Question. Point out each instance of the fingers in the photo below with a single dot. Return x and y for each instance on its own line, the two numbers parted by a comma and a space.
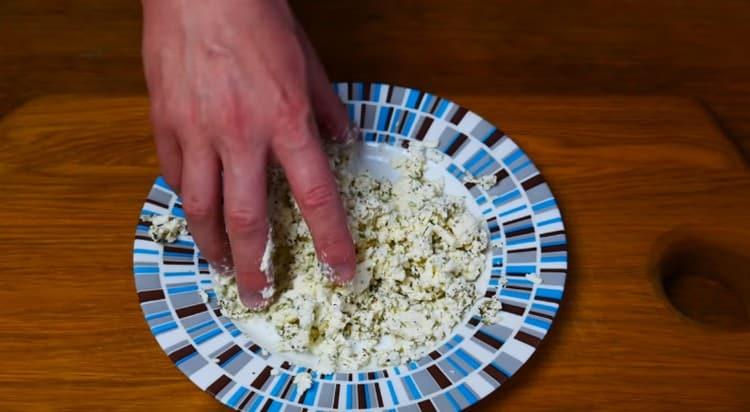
170, 157
246, 219
201, 185
330, 113
313, 185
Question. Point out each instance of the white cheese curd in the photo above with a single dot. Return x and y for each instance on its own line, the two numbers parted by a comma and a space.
165, 229
489, 310
485, 182
303, 380
419, 254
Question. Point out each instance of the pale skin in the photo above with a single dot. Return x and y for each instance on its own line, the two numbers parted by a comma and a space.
235, 85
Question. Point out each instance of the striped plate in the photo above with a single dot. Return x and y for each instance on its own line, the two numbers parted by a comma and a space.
527, 234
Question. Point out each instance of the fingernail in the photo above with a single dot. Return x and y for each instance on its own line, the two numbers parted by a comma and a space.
342, 273
351, 133
257, 301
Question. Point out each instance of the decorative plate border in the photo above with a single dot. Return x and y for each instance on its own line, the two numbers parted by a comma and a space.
526, 230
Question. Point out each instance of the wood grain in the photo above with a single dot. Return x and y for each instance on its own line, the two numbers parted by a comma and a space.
473, 47
634, 177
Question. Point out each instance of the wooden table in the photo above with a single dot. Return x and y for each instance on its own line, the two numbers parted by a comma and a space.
654, 197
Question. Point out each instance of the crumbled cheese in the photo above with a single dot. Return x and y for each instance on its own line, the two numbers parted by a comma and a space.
274, 372
485, 182
268, 292
489, 310
533, 278
204, 296
266, 262
165, 229
419, 254
303, 380
264, 353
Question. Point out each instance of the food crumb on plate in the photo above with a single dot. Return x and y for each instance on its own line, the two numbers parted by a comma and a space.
303, 380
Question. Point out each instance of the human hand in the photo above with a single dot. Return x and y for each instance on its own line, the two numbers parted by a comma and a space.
233, 85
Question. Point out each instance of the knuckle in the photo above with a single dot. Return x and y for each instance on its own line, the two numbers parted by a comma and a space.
246, 222
197, 209
293, 111
318, 197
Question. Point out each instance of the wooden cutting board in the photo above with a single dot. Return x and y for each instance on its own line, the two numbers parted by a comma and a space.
654, 197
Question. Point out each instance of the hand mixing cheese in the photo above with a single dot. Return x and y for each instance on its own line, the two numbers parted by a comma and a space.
419, 253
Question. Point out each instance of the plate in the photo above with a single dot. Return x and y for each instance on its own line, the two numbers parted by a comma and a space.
526, 269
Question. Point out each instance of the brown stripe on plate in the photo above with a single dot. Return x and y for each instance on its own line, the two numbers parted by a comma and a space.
543, 315
496, 373
388, 118
459, 115
389, 94
178, 262
378, 395
218, 385
262, 378
555, 248
439, 376
366, 91
556, 232
287, 387
245, 401
528, 249
473, 321
510, 222
427, 406
494, 137
534, 181
405, 144
469, 185
336, 390
217, 312
526, 338
456, 144
488, 339
418, 103
385, 373
362, 112
144, 237
149, 295
254, 348
181, 353
546, 299
490, 293
553, 270
286, 365
361, 397
500, 175
520, 232
350, 91
267, 405
191, 310
516, 310
519, 287
181, 250
426, 123
229, 353
154, 202
371, 376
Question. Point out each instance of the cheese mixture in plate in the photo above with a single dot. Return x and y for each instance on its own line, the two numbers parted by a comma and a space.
419, 254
